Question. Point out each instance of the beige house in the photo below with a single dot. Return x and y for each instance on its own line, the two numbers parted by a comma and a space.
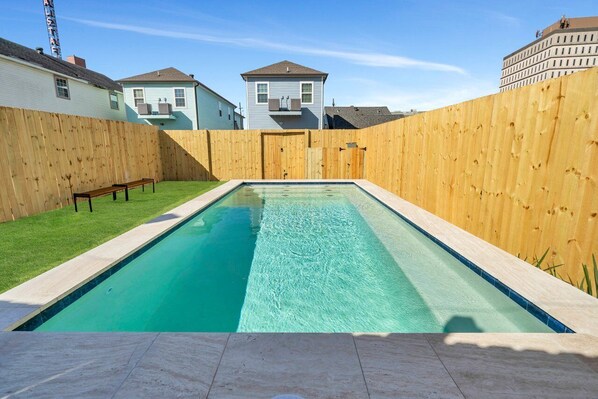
567, 46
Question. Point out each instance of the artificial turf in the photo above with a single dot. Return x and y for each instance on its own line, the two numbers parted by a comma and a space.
32, 245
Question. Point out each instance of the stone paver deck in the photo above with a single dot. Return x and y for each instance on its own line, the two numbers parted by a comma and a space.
196, 365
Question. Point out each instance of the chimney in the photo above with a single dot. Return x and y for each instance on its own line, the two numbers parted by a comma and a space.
40, 50
73, 59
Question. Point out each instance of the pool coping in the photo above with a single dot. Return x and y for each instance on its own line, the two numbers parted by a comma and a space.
563, 302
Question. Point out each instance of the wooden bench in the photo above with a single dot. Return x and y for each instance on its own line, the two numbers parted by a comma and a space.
96, 193
137, 183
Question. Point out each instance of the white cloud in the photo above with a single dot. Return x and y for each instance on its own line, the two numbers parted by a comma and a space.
361, 58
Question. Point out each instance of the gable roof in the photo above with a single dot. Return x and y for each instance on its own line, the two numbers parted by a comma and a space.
170, 75
22, 53
357, 117
284, 68
161, 75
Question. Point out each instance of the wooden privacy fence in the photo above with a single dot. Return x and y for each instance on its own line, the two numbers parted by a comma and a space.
261, 154
45, 157
518, 169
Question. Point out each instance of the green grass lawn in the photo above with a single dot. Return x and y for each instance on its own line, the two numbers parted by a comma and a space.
32, 245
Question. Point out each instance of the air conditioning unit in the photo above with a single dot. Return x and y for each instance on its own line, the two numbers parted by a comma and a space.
165, 109
144, 109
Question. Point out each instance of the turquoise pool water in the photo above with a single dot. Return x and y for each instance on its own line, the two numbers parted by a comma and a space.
300, 258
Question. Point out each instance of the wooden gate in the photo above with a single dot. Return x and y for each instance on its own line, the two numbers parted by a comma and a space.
283, 155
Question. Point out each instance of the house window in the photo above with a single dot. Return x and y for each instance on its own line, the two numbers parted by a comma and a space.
138, 96
261, 93
229, 113
179, 98
219, 108
62, 88
113, 100
307, 93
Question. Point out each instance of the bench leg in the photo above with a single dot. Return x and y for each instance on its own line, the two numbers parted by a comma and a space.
143, 188
114, 196
153, 186
90, 209
126, 193
75, 201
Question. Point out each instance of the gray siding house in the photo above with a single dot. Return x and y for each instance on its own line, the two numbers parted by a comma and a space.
285, 96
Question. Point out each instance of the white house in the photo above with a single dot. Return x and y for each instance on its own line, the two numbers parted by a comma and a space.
34, 80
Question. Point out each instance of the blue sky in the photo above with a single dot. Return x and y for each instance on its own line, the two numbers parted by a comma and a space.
404, 53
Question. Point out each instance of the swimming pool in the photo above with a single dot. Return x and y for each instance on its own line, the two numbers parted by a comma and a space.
291, 258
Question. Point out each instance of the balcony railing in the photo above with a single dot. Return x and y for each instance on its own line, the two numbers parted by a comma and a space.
164, 111
290, 108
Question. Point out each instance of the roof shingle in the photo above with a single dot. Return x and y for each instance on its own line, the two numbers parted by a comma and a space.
161, 75
16, 51
284, 68
357, 117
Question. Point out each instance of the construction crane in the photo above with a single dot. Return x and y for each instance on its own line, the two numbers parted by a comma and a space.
52, 28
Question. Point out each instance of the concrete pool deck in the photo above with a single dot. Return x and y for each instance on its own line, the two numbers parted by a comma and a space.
311, 365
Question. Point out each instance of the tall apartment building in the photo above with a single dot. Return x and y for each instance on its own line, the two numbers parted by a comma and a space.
567, 46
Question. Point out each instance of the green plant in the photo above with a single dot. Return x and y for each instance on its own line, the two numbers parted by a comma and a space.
586, 284
550, 269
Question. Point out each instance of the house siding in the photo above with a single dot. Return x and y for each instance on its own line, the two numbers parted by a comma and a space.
186, 118
209, 117
24, 86
258, 116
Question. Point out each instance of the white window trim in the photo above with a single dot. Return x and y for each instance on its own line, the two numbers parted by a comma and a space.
175, 97
133, 91
301, 92
110, 93
68, 87
267, 92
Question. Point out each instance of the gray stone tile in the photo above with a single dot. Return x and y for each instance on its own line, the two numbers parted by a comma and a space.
49, 365
514, 365
176, 366
403, 366
309, 365
10, 315
584, 346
